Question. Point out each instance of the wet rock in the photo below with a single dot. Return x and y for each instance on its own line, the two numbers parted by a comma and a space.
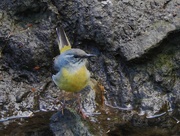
21, 94
68, 124
137, 43
88, 100
150, 39
29, 28
38, 125
133, 31
140, 125
133, 27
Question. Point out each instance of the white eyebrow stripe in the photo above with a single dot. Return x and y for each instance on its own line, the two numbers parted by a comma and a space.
69, 56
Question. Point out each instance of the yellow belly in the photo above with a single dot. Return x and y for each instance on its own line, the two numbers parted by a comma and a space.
74, 81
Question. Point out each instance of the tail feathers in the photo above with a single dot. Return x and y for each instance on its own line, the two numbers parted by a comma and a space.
63, 41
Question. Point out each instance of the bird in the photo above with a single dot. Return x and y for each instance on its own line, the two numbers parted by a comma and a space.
72, 74
71, 65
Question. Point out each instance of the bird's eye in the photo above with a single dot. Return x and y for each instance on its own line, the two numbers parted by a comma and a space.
76, 56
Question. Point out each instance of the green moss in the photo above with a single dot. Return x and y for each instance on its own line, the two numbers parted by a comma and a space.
163, 59
163, 63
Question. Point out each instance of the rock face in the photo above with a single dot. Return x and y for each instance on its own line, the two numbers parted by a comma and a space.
134, 27
137, 43
143, 33
69, 125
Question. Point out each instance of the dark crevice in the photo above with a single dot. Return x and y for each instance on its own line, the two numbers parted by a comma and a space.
30, 10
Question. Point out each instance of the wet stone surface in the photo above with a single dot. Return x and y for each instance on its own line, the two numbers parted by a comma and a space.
136, 69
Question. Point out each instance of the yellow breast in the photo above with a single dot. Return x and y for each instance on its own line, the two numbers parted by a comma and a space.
74, 81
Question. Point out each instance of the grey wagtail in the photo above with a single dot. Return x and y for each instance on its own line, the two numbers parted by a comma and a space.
72, 74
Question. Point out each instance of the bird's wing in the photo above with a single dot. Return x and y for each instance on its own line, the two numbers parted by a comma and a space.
63, 41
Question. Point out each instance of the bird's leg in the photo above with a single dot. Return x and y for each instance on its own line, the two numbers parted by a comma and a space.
63, 103
80, 107
79, 101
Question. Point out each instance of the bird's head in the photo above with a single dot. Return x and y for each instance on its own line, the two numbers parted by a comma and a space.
72, 58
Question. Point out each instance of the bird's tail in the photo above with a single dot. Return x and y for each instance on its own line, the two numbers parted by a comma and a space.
62, 39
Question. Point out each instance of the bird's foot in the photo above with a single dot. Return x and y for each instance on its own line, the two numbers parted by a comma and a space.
62, 107
82, 113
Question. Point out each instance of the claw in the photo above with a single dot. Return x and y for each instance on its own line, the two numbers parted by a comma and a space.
84, 116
